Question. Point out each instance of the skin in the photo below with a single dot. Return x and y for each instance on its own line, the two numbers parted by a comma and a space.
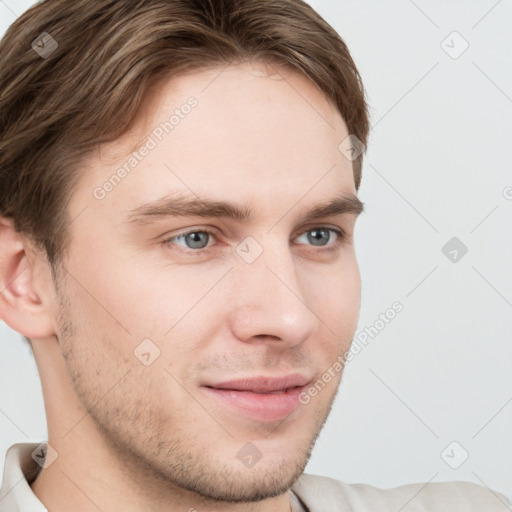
134, 437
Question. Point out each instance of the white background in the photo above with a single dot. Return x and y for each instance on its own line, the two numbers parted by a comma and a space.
438, 166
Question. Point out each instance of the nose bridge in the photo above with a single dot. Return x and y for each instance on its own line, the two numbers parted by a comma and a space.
270, 301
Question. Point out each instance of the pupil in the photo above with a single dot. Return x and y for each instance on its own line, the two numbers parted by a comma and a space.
316, 234
196, 240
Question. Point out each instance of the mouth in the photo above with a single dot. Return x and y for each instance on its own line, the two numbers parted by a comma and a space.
263, 399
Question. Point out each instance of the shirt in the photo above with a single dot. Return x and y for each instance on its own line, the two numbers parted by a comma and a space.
311, 493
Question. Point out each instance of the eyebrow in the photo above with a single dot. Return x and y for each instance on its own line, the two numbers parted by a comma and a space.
179, 206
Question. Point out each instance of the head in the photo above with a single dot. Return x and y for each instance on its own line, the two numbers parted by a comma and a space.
178, 201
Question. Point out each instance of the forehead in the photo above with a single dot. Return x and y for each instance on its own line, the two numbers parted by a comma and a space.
253, 130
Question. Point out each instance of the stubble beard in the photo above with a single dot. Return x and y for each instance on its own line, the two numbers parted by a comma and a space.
136, 434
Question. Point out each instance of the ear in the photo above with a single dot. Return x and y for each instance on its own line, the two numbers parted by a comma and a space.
27, 294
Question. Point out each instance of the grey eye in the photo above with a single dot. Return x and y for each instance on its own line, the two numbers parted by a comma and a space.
318, 236
194, 239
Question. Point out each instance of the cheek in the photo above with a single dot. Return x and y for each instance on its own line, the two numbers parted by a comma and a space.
136, 297
338, 308
336, 296
130, 297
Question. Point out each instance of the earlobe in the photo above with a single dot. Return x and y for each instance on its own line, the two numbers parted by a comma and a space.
22, 306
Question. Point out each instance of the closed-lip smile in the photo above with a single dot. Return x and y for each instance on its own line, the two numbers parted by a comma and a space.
262, 398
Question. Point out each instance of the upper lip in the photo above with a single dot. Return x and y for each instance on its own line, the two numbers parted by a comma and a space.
263, 384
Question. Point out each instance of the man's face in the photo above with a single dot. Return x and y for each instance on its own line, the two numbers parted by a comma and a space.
154, 322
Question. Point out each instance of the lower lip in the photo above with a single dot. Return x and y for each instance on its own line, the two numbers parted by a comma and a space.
259, 406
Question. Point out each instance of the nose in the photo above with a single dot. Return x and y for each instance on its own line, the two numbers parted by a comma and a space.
268, 303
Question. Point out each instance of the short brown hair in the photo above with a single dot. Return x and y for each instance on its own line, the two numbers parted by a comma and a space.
89, 90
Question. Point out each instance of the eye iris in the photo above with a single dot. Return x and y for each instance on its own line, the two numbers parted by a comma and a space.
197, 239
315, 236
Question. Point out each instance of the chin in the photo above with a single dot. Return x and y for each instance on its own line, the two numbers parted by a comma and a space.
222, 475
243, 485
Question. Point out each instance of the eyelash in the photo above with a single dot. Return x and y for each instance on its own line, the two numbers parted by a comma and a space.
331, 248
